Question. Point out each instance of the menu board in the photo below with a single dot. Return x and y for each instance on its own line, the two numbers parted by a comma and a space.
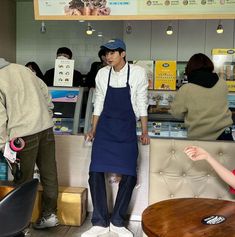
64, 69
185, 6
224, 63
133, 9
165, 75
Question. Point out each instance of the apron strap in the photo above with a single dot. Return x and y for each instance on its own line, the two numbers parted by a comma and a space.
128, 75
109, 75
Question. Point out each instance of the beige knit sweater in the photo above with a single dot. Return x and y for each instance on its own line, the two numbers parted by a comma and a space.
25, 103
204, 110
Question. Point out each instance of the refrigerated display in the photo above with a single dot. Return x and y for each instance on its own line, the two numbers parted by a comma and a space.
165, 129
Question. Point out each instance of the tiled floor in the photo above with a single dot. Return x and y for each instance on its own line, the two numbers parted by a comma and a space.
71, 231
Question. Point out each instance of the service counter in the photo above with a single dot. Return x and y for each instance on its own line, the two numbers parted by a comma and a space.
73, 159
164, 171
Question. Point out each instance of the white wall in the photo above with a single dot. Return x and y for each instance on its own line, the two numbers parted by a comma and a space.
8, 30
41, 48
147, 40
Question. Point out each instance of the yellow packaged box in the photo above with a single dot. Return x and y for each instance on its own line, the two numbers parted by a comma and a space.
72, 205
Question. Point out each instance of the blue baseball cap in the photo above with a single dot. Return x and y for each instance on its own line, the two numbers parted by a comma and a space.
114, 44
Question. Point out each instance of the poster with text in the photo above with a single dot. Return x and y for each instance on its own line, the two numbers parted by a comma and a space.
165, 75
63, 75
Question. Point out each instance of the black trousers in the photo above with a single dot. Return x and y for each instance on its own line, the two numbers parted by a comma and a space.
101, 215
40, 149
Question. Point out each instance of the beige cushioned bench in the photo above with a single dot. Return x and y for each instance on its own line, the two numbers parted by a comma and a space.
173, 175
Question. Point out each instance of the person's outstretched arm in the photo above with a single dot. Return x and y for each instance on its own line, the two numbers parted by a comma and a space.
197, 153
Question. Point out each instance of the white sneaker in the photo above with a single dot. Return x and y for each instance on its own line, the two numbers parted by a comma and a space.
46, 222
95, 231
121, 231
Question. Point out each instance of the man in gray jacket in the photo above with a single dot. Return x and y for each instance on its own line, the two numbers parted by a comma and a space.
26, 112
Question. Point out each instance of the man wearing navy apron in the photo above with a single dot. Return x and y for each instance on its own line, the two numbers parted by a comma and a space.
120, 99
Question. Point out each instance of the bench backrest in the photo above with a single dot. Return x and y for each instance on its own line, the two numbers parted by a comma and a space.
173, 175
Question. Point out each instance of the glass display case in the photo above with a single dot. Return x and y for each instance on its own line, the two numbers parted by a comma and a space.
165, 129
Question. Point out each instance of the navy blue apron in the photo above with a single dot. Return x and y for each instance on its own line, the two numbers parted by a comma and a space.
115, 148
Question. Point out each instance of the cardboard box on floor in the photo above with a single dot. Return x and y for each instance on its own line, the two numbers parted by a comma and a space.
72, 205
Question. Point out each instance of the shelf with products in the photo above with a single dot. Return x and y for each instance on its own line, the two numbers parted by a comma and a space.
160, 122
159, 104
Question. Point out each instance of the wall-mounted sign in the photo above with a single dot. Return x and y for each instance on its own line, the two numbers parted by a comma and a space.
133, 9
63, 75
165, 75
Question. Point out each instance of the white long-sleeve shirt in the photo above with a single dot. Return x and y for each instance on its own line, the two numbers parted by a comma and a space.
138, 87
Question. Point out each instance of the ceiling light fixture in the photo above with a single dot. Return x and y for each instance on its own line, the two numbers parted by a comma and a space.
220, 28
100, 34
43, 27
169, 30
89, 30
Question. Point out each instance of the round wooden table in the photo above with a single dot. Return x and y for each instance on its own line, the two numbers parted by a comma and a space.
190, 217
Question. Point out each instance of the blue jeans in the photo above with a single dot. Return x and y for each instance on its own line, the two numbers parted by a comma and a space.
40, 149
101, 215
